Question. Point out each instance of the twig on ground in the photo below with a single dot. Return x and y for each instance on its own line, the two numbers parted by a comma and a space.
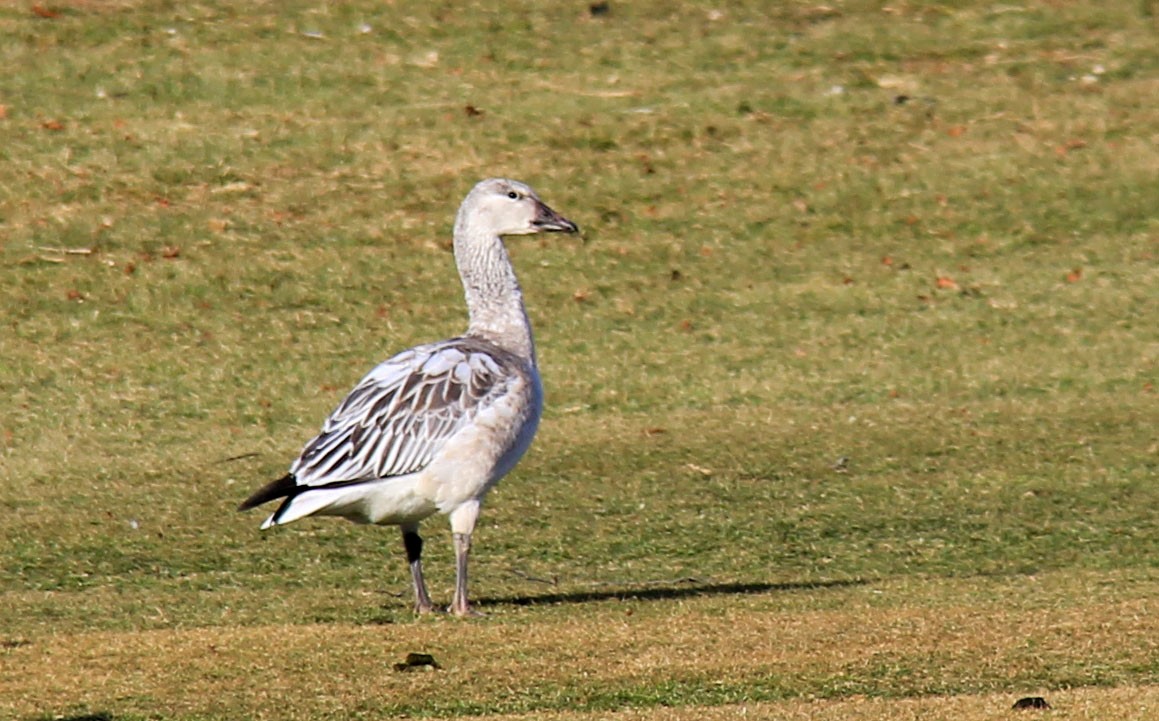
65, 251
553, 581
238, 457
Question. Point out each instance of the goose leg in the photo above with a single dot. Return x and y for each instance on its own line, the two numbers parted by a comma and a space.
414, 552
462, 524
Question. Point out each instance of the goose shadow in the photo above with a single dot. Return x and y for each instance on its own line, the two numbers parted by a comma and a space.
685, 588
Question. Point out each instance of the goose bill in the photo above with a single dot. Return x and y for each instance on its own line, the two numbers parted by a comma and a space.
551, 221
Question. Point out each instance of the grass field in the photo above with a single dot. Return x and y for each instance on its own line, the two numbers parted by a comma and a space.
851, 376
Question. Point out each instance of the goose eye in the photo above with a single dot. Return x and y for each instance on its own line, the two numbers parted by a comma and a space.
513, 195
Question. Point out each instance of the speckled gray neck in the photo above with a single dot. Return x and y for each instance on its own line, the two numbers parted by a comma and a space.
494, 298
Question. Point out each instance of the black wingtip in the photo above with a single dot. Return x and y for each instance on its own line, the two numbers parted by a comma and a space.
273, 490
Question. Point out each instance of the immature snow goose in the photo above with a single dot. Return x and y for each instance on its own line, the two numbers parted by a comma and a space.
435, 427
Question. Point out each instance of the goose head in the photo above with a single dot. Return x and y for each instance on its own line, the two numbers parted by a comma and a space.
508, 207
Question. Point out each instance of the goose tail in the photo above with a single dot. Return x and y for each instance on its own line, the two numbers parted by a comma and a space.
281, 488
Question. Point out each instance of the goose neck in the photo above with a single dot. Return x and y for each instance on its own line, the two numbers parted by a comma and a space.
494, 299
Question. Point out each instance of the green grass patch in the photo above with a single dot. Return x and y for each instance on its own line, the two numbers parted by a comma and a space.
858, 333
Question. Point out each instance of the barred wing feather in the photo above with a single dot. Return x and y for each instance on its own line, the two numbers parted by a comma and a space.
397, 419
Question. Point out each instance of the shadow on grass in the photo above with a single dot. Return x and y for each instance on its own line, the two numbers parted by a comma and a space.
677, 589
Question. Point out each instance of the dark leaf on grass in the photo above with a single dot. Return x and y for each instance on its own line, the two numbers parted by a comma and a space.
417, 660
1033, 702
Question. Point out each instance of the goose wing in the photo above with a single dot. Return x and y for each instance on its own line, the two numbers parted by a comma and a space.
398, 418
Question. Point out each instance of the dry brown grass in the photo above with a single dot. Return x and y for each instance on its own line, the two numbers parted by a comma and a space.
885, 639
1120, 704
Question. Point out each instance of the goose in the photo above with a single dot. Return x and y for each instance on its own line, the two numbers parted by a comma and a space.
434, 428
